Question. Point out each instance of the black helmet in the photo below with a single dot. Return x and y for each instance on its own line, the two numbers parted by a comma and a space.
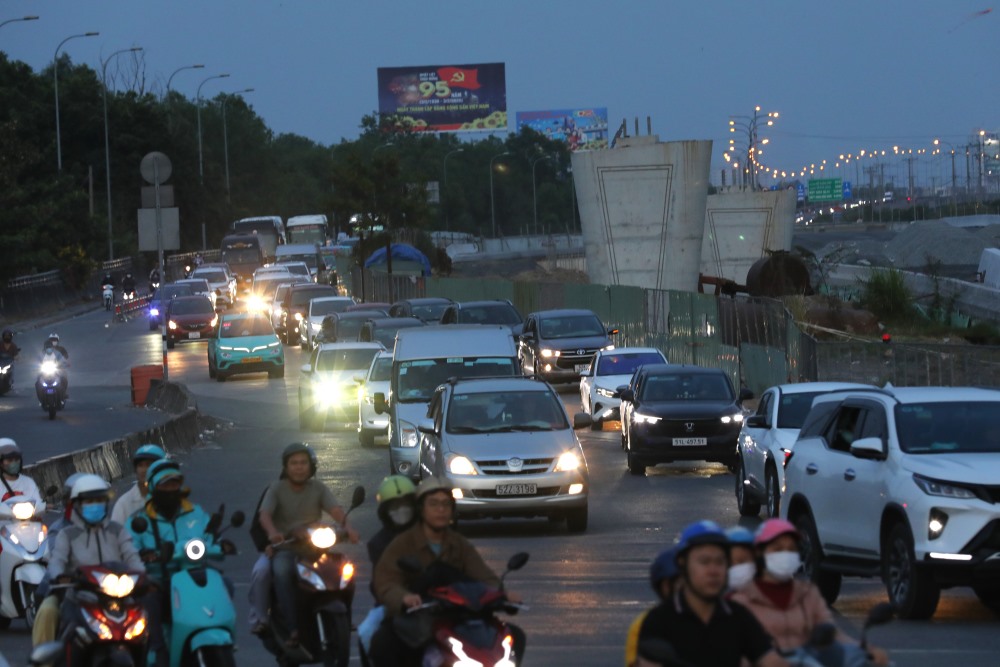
8, 335
298, 448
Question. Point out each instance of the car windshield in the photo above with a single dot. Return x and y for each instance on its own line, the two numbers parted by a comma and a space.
266, 285
212, 276
505, 411
381, 371
430, 312
346, 360
239, 327
387, 334
298, 269
303, 296
325, 307
571, 326
418, 379
199, 306
171, 291
241, 255
793, 409
500, 313
949, 427
309, 259
626, 363
686, 387
198, 285
348, 329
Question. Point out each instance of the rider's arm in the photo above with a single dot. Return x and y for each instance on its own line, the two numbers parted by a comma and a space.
127, 549
268, 504
59, 554
755, 644
390, 582
474, 566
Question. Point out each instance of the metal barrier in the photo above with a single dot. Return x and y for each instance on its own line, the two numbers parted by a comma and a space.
126, 308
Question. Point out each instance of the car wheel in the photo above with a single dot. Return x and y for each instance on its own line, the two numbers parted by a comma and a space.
746, 505
576, 520
635, 466
772, 490
827, 582
989, 595
276, 373
211, 370
912, 589
366, 438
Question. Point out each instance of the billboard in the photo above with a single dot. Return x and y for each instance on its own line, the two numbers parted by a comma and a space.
446, 98
825, 189
582, 129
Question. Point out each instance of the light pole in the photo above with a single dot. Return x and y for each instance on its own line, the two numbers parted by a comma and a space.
201, 162
225, 133
750, 126
55, 74
954, 204
107, 143
534, 190
180, 69
447, 213
493, 208
23, 18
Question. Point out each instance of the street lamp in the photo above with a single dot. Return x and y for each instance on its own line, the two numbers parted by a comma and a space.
180, 69
107, 143
55, 74
225, 133
23, 18
750, 126
447, 216
201, 162
534, 190
493, 208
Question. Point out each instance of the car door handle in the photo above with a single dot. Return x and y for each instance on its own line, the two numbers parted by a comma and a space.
812, 469
849, 474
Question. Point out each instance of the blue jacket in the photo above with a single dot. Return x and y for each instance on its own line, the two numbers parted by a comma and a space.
190, 523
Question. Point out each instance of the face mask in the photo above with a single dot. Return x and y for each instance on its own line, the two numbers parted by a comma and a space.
401, 515
782, 565
94, 512
167, 502
742, 574
12, 467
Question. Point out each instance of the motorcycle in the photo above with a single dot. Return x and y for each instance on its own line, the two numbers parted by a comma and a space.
128, 295
325, 595
154, 285
50, 387
109, 296
200, 627
823, 649
23, 550
6, 373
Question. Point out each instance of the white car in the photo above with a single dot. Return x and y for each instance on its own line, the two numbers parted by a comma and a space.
766, 439
900, 483
317, 309
608, 370
222, 284
371, 424
300, 269
328, 390
200, 286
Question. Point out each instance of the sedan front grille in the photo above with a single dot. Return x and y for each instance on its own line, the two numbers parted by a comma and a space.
528, 467
686, 428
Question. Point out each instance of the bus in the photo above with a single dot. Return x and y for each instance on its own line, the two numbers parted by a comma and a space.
244, 255
307, 229
269, 228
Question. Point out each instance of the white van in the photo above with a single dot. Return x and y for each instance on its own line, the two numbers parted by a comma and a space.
424, 358
302, 252
307, 229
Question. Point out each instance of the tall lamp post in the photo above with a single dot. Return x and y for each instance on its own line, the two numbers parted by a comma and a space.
750, 126
447, 212
534, 189
107, 143
23, 18
180, 69
225, 132
493, 208
938, 142
55, 75
201, 162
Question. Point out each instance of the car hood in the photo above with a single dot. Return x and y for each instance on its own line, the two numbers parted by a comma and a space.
588, 342
611, 382
522, 444
687, 409
247, 343
411, 412
194, 318
339, 377
973, 468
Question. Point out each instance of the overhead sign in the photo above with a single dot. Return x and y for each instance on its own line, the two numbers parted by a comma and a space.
846, 190
581, 129
825, 189
446, 98
800, 192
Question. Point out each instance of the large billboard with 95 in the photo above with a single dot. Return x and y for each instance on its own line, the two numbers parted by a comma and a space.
446, 98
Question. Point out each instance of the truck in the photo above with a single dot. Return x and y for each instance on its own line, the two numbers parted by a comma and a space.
244, 255
269, 228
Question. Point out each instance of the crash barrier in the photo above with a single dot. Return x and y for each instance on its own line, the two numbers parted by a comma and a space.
141, 379
27, 296
132, 305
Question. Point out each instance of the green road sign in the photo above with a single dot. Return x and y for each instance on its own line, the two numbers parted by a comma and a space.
825, 189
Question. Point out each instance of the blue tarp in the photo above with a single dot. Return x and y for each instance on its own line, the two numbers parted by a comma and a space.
402, 251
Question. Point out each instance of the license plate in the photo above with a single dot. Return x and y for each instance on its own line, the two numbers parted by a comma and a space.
690, 442
581, 367
194, 334
517, 489
250, 360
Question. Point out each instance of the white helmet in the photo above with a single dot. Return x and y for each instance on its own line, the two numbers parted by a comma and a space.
8, 446
54, 336
89, 486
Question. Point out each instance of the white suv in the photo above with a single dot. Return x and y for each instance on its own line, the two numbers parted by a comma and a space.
902, 483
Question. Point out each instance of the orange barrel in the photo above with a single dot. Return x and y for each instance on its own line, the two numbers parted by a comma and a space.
141, 377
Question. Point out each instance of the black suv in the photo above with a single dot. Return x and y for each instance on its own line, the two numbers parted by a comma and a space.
558, 344
428, 309
295, 306
485, 312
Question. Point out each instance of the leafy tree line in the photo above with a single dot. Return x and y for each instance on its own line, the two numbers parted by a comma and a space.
51, 218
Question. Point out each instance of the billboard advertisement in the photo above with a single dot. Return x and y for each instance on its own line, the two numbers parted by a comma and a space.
582, 129
446, 98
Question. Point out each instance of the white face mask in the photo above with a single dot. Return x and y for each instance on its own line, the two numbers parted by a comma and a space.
742, 574
401, 515
782, 565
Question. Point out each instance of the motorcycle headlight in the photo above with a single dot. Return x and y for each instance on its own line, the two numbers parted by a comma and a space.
568, 462
49, 367
298, 317
117, 586
194, 549
323, 537
99, 627
155, 312
460, 465
23, 511
136, 629
311, 577
4, 369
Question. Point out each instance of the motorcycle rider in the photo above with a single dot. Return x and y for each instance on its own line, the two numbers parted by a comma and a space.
662, 577
90, 539
787, 607
154, 279
296, 499
14, 483
742, 560
446, 556
704, 628
134, 499
9, 348
52, 350
128, 284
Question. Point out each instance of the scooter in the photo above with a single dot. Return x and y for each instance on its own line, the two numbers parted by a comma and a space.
23, 551
6, 373
50, 387
128, 295
109, 296
201, 626
325, 595
823, 649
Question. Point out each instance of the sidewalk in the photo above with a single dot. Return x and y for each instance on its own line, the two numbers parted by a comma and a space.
49, 316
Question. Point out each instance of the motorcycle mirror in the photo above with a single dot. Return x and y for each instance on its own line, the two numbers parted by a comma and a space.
237, 519
517, 561
213, 523
45, 653
358, 497
824, 634
880, 614
139, 524
410, 565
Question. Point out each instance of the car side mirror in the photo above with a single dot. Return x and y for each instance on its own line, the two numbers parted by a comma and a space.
380, 405
426, 426
626, 394
757, 421
867, 448
307, 368
582, 420
618, 391
613, 332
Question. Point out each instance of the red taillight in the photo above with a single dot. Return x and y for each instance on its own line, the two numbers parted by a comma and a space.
788, 457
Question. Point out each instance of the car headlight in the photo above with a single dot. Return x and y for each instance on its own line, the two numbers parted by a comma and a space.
329, 393
737, 418
171, 325
646, 419
298, 317
22, 511
609, 347
546, 352
323, 537
117, 586
315, 326
408, 435
460, 465
255, 303
606, 393
568, 461
933, 487
154, 312
226, 348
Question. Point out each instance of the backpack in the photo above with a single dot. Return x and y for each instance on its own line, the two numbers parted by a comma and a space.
257, 532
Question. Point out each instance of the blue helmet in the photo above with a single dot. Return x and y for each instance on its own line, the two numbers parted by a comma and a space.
664, 566
148, 452
161, 471
699, 533
740, 536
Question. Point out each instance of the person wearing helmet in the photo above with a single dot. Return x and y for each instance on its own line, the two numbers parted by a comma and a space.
742, 560
53, 351
702, 626
445, 556
52, 343
789, 608
12, 481
134, 499
91, 538
296, 499
10, 350
128, 285
67, 499
662, 577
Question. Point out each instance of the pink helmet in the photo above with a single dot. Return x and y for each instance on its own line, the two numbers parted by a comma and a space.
772, 529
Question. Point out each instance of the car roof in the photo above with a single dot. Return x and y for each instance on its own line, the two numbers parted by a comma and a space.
333, 298
656, 369
357, 314
926, 394
484, 302
310, 285
189, 297
630, 350
483, 385
808, 387
422, 301
350, 345
192, 281
559, 312
295, 249
397, 321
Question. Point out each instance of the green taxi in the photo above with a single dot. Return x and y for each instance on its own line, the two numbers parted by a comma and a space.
245, 343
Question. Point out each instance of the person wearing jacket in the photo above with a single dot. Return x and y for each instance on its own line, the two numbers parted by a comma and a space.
787, 607
91, 538
12, 481
663, 576
134, 499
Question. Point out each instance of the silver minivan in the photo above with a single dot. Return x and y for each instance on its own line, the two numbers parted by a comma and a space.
508, 448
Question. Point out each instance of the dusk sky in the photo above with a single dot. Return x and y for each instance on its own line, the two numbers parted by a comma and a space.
844, 75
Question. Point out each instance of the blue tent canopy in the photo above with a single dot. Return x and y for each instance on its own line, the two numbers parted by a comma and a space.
400, 251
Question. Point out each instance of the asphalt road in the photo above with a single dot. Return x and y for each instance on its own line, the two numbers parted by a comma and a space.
583, 590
